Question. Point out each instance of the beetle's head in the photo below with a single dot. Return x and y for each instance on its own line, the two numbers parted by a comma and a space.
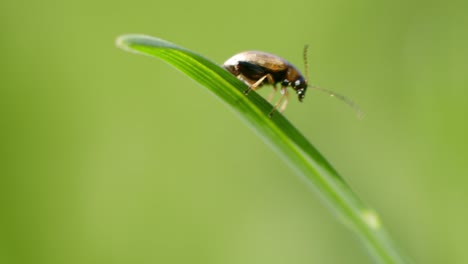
300, 85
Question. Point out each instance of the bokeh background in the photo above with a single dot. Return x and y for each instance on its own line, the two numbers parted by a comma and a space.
108, 157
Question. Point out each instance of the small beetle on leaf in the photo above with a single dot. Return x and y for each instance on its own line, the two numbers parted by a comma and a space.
257, 68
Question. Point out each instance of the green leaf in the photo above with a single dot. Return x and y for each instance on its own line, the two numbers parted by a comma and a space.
281, 135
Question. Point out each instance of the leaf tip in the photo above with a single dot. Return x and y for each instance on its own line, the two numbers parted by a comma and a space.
123, 42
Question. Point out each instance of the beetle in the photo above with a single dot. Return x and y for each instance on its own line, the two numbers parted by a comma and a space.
257, 68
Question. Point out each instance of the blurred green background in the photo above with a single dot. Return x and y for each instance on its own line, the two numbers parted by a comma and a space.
108, 157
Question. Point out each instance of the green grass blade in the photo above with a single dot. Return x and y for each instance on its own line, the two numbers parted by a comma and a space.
281, 135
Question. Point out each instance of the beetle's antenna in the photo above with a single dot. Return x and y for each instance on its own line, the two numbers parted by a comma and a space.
343, 98
306, 64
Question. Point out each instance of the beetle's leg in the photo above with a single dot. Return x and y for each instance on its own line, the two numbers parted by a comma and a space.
270, 79
258, 83
284, 96
270, 96
272, 82
286, 100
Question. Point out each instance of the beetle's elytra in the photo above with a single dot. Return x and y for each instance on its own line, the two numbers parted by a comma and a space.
257, 68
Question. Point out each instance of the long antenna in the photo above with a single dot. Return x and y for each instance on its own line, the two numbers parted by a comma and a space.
306, 64
343, 98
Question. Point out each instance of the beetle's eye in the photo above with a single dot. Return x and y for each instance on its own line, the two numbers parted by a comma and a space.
301, 93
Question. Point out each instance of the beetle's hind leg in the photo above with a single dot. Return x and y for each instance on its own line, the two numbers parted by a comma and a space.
258, 83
